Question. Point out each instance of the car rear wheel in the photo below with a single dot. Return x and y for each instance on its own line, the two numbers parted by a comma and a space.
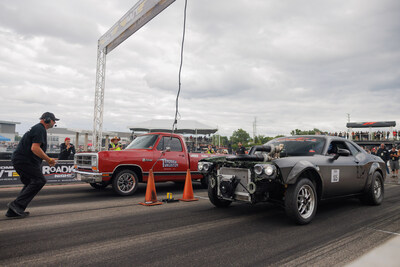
125, 183
213, 196
99, 185
375, 192
301, 201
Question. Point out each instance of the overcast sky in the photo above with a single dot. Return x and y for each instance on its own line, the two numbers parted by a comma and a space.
290, 64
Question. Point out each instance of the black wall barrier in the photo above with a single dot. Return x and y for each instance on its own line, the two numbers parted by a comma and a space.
61, 173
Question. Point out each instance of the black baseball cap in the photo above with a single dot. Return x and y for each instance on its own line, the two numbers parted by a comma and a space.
49, 115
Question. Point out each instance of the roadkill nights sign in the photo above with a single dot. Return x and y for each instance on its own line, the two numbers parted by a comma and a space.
61, 173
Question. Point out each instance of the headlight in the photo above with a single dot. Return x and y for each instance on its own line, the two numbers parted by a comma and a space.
94, 161
204, 166
269, 170
200, 166
258, 169
265, 170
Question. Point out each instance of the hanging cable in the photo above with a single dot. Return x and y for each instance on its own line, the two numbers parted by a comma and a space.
179, 86
180, 72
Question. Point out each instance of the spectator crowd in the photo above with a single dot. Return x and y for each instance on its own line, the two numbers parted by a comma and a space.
368, 136
390, 156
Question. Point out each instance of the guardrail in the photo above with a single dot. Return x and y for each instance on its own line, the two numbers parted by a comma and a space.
61, 173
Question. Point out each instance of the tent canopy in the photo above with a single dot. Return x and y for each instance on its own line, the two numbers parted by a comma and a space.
183, 127
2, 138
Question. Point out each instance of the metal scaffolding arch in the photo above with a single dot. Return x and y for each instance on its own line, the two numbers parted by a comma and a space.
99, 99
141, 13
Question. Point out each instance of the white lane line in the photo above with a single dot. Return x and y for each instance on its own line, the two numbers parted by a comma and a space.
387, 232
202, 197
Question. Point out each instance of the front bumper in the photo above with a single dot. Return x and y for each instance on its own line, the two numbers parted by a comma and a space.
89, 177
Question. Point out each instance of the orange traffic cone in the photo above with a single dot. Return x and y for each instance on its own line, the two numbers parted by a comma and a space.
151, 196
188, 190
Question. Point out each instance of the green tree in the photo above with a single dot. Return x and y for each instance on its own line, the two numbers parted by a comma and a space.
261, 139
307, 132
217, 139
239, 135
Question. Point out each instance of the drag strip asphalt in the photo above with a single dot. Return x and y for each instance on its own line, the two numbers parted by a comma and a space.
81, 226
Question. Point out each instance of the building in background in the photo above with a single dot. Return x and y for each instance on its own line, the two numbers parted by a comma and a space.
7, 130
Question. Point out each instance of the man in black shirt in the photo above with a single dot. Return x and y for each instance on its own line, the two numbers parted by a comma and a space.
67, 150
394, 161
384, 155
27, 160
241, 149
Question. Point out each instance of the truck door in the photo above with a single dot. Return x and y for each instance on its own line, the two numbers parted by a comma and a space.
172, 165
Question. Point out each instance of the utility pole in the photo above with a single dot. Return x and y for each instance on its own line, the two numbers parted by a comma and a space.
255, 128
349, 129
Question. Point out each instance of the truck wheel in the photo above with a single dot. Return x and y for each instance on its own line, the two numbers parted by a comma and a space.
375, 192
99, 185
125, 182
212, 194
204, 181
301, 201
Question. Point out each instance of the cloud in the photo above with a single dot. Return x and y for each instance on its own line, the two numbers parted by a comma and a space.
289, 64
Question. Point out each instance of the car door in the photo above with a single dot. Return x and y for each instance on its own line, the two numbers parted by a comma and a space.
363, 165
172, 162
340, 175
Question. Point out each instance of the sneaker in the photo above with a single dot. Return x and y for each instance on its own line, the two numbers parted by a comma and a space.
15, 209
11, 214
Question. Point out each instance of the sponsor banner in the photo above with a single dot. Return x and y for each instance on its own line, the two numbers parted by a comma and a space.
372, 124
61, 173
141, 13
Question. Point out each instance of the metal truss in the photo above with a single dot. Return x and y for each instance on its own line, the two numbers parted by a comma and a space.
99, 99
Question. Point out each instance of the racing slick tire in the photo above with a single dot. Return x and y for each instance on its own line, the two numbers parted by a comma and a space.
301, 201
125, 182
212, 195
375, 192
99, 185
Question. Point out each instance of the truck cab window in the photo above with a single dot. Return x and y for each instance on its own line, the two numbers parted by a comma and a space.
174, 144
143, 142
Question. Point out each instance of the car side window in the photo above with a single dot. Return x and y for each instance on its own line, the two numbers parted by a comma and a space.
335, 145
174, 144
353, 149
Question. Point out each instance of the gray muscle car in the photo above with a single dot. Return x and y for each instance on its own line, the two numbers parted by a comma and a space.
296, 172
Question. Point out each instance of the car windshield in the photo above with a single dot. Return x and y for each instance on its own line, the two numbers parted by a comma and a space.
144, 141
299, 146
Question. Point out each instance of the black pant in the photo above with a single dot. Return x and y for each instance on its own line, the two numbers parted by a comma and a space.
33, 180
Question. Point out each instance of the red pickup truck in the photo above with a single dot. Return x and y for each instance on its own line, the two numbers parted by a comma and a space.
167, 154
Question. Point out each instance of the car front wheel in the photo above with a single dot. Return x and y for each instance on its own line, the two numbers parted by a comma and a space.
301, 201
125, 183
204, 181
213, 196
